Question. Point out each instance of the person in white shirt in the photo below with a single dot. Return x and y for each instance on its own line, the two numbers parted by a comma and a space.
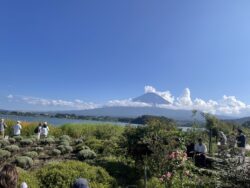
17, 129
2, 127
44, 130
200, 153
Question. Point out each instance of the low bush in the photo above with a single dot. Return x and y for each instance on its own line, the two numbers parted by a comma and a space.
28, 177
65, 149
80, 147
56, 152
4, 154
57, 175
86, 154
12, 148
24, 162
78, 141
38, 149
31, 154
47, 141
12, 140
65, 137
64, 142
18, 138
4, 143
26, 142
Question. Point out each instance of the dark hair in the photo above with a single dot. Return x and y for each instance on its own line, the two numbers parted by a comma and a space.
8, 176
200, 140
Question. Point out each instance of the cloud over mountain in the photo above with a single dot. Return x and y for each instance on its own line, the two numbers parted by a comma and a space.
228, 105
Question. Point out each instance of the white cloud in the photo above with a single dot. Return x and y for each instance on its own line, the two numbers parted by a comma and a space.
76, 104
127, 102
185, 99
228, 105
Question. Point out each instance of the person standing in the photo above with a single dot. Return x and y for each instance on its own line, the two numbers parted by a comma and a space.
17, 129
200, 153
241, 144
38, 130
45, 130
3, 126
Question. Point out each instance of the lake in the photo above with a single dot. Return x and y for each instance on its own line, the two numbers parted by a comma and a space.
56, 121
62, 121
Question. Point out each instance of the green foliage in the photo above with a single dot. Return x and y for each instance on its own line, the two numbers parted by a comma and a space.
86, 154
151, 183
99, 131
18, 138
31, 154
79, 141
65, 137
28, 177
12, 148
64, 142
57, 175
56, 152
4, 154
24, 162
26, 142
47, 141
80, 147
95, 144
38, 149
65, 149
12, 140
122, 169
4, 143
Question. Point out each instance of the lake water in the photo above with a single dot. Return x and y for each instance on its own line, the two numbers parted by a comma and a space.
62, 121
56, 121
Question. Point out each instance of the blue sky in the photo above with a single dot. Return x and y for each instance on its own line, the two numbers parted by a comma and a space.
97, 51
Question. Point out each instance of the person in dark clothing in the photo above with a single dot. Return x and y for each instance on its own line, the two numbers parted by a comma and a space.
200, 153
241, 144
190, 150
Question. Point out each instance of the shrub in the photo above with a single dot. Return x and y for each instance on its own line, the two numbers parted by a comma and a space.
38, 149
4, 154
56, 152
4, 143
79, 141
12, 140
46, 141
12, 148
65, 149
95, 144
86, 154
26, 142
80, 147
28, 177
18, 138
57, 175
152, 183
64, 142
65, 137
24, 162
31, 154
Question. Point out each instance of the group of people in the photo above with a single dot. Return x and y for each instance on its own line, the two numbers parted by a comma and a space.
198, 151
9, 179
42, 130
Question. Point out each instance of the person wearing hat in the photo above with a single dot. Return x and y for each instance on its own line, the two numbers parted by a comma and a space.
80, 183
17, 129
241, 144
2, 128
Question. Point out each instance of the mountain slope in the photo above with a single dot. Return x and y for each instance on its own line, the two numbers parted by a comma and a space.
151, 98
